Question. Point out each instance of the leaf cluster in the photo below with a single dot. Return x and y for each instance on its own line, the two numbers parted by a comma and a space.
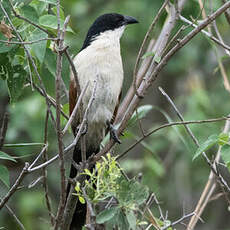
106, 183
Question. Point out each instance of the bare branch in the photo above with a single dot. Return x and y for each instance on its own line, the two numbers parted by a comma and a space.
3, 129
217, 41
208, 189
178, 221
15, 217
155, 20
61, 47
44, 173
13, 189
28, 42
75, 109
184, 123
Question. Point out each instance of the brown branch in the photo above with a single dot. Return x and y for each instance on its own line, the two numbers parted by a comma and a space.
28, 42
216, 40
218, 175
208, 189
13, 189
226, 13
61, 47
170, 125
28, 55
4, 129
26, 20
72, 199
44, 173
184, 217
15, 217
140, 53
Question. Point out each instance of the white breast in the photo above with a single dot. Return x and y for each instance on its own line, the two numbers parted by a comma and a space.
101, 61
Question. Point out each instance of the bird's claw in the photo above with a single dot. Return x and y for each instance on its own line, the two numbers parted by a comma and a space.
113, 133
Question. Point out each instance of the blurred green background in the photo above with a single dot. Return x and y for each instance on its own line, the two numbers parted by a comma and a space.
192, 78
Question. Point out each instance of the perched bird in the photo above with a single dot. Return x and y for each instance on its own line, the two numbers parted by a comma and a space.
98, 60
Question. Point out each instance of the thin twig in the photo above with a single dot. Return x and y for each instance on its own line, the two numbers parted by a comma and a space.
44, 172
27, 20
216, 40
156, 18
15, 217
178, 221
28, 42
208, 189
75, 108
38, 156
219, 176
27, 54
71, 199
13, 189
3, 129
170, 125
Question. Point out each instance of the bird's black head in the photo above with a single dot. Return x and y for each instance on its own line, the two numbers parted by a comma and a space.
106, 22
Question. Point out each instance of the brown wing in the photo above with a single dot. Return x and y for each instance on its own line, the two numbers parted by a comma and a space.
72, 99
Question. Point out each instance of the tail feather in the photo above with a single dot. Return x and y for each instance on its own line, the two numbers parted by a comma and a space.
80, 212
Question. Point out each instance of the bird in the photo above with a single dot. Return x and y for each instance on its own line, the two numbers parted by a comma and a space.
98, 60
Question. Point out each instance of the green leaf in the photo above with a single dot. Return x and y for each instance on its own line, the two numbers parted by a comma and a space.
131, 220
50, 61
212, 140
81, 199
132, 192
223, 138
15, 82
62, 15
5, 156
157, 59
148, 54
225, 154
38, 48
106, 215
122, 221
50, 21
141, 113
4, 175
4, 47
30, 13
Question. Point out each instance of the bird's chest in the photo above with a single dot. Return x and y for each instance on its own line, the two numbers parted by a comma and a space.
102, 68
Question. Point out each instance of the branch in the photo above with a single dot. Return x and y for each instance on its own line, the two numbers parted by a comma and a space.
184, 123
28, 42
219, 176
15, 217
208, 189
4, 129
179, 221
217, 41
13, 189
61, 47
72, 199
26, 20
155, 20
44, 172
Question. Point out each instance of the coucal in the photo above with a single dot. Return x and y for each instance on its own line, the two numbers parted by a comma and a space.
98, 60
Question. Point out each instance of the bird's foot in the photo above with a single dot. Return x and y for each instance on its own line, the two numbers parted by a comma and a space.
113, 133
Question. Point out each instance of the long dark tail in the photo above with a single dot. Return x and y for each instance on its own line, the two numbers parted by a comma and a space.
79, 216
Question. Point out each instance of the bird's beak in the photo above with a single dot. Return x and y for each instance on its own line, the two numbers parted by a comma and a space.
130, 20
